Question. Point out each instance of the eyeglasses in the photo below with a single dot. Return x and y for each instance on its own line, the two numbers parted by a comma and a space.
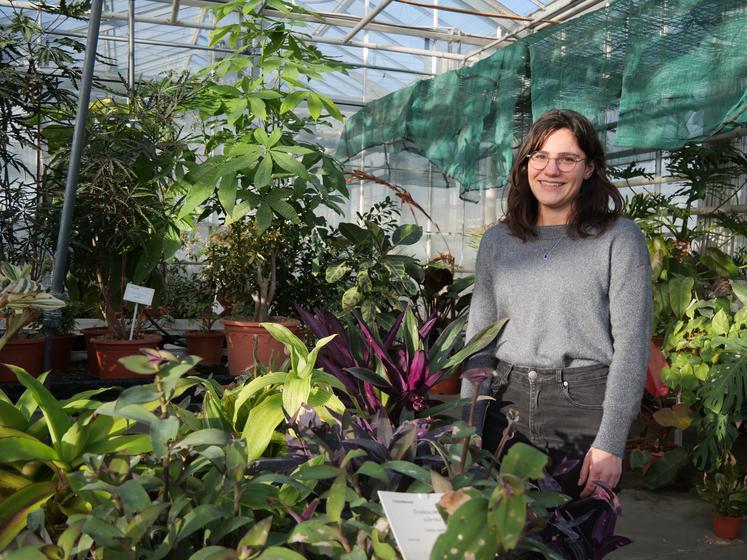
566, 163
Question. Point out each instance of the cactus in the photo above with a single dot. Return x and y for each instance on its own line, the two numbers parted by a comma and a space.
21, 299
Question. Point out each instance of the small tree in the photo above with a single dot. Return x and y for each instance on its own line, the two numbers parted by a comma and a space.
257, 166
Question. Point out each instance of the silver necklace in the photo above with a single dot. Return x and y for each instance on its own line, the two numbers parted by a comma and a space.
546, 256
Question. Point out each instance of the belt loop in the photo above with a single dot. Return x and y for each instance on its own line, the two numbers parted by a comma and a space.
559, 375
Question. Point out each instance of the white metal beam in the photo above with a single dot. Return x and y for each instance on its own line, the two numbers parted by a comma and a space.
368, 18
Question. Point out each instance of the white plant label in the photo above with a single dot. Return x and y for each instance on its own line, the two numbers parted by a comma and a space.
138, 294
415, 522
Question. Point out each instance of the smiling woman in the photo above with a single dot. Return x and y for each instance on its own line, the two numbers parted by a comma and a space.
573, 278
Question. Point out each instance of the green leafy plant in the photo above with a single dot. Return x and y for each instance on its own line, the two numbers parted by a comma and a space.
726, 489
126, 201
21, 299
369, 261
257, 166
33, 81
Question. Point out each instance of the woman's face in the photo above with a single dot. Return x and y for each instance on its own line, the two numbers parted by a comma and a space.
556, 190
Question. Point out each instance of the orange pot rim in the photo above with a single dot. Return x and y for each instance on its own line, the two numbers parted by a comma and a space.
124, 342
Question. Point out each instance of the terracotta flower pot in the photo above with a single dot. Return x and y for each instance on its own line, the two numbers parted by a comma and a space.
26, 353
88, 334
726, 527
244, 336
449, 386
208, 345
108, 351
62, 348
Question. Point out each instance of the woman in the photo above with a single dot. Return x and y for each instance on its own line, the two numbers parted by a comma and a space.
573, 277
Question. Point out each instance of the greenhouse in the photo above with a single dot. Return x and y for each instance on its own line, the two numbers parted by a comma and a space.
403, 279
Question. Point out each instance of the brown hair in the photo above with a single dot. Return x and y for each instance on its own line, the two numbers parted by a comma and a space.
591, 214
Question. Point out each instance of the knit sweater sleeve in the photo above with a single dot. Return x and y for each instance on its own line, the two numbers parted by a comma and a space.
481, 314
631, 317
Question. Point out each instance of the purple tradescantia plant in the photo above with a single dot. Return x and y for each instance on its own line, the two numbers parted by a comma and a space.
401, 364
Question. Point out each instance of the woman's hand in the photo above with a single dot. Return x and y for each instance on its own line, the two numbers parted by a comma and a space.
599, 466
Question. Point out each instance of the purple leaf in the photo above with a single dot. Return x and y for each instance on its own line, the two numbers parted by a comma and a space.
392, 334
418, 371
427, 327
399, 380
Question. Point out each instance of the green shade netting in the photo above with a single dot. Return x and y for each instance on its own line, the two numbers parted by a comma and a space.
662, 72
686, 79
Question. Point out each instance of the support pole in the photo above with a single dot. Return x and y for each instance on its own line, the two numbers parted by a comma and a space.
131, 45
52, 318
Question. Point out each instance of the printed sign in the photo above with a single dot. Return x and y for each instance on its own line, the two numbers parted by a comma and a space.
415, 522
139, 294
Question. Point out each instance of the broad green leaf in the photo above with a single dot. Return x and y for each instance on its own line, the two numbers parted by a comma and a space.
105, 534
138, 394
54, 414
478, 342
198, 518
262, 421
467, 534
263, 175
295, 393
214, 552
132, 444
317, 472
291, 101
407, 234
198, 193
15, 509
227, 192
665, 469
285, 210
139, 364
336, 499
284, 335
409, 469
507, 516
720, 323
373, 470
254, 386
134, 497
264, 218
314, 105
289, 163
259, 109
351, 298
382, 549
740, 290
680, 294
11, 417
25, 449
163, 431
336, 272
256, 537
279, 553
73, 442
308, 368
208, 436
524, 461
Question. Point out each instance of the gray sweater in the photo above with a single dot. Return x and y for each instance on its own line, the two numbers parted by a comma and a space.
588, 302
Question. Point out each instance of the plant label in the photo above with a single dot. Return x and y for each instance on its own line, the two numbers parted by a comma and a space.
138, 294
415, 522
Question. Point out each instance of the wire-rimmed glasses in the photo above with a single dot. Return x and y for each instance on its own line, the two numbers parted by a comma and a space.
565, 162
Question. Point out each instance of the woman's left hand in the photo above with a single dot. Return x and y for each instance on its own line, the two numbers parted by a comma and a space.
601, 466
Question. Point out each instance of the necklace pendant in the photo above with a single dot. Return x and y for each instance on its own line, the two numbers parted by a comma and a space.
546, 257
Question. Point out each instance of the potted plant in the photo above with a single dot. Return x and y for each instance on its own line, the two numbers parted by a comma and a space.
200, 306
125, 217
726, 489
238, 287
259, 172
21, 300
